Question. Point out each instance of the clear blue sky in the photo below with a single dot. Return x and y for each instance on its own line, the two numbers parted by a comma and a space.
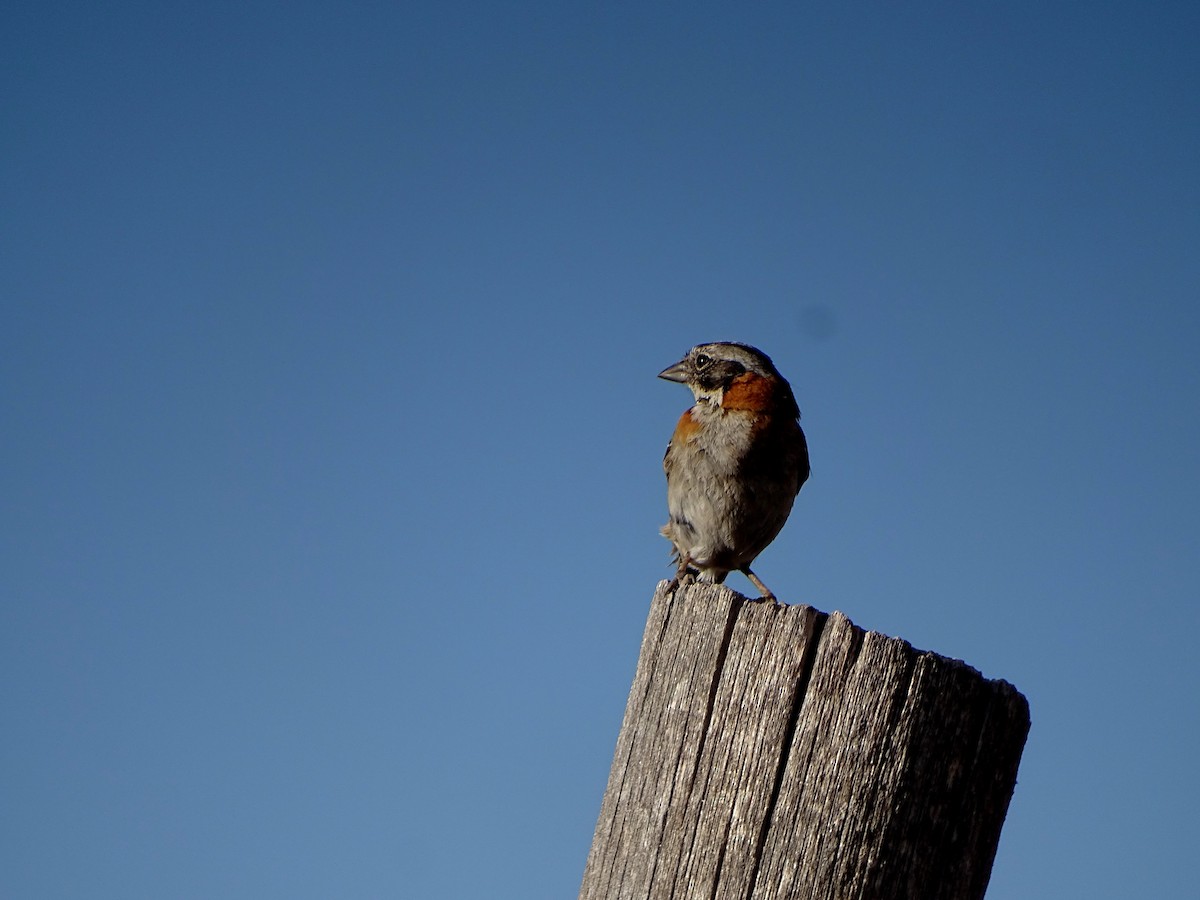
332, 439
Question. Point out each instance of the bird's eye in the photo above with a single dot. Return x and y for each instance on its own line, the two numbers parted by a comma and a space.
702, 360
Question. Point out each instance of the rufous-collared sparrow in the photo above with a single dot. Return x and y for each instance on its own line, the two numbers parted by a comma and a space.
735, 463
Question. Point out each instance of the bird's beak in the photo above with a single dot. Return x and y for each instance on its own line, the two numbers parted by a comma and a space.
678, 372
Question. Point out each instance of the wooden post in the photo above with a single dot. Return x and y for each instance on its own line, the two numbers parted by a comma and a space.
773, 752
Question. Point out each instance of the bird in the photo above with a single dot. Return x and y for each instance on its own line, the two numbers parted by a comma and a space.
735, 463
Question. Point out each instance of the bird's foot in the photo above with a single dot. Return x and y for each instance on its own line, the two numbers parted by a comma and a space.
684, 575
762, 588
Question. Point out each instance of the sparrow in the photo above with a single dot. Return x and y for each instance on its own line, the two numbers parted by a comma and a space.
735, 463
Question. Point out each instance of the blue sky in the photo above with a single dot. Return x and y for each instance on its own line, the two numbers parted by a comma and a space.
331, 474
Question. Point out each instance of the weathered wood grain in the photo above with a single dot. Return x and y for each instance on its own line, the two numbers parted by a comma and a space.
775, 751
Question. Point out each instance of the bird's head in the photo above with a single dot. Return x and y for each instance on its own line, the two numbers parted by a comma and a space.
718, 372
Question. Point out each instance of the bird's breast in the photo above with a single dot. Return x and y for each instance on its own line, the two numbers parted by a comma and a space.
713, 438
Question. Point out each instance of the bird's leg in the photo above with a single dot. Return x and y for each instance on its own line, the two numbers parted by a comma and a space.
681, 573
763, 589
